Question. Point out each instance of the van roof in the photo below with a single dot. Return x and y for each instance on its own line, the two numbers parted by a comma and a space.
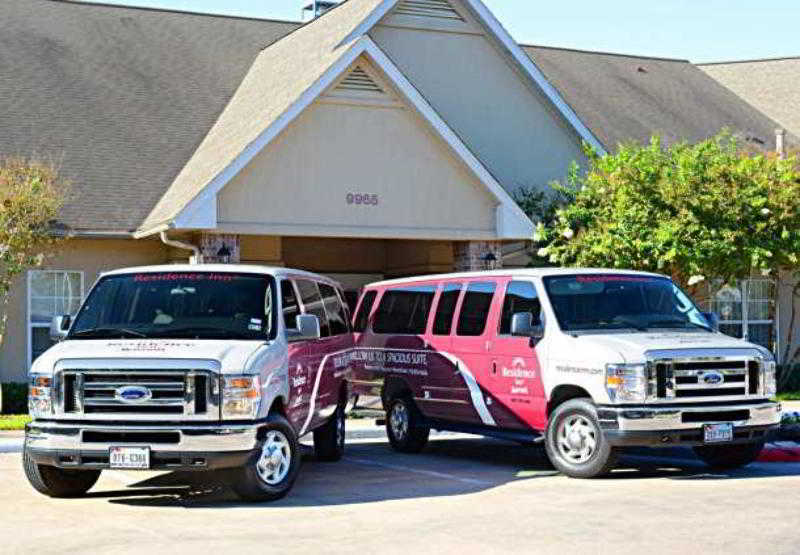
278, 271
521, 272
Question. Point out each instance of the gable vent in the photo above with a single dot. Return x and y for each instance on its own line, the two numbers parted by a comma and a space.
359, 80
428, 8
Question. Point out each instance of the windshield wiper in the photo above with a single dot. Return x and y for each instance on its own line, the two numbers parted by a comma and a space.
107, 332
665, 322
201, 332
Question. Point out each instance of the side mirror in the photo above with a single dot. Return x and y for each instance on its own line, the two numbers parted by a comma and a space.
713, 320
307, 328
59, 327
522, 326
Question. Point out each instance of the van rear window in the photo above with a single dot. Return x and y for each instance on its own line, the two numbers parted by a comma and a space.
404, 311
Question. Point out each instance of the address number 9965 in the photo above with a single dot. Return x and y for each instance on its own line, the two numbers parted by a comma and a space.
365, 199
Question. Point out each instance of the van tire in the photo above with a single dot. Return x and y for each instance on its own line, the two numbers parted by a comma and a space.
329, 438
56, 482
729, 457
408, 432
264, 478
585, 453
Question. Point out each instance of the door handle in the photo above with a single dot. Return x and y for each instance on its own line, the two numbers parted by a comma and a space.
494, 367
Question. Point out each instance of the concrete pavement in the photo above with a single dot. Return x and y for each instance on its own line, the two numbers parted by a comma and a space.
460, 495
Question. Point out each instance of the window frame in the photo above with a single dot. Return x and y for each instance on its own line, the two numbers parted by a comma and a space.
503, 304
443, 288
743, 286
296, 298
30, 324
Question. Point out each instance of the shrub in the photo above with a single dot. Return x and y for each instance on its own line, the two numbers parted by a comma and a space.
15, 398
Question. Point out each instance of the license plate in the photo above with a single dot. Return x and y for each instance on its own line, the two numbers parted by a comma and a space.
718, 433
129, 457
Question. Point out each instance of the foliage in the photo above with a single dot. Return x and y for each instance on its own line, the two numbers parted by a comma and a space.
14, 422
692, 211
31, 194
15, 398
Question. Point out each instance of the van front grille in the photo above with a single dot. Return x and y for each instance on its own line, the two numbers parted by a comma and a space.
175, 393
705, 378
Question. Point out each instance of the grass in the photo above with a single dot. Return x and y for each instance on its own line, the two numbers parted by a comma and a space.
789, 396
13, 421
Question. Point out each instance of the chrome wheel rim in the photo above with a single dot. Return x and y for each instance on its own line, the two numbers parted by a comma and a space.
398, 420
276, 458
576, 439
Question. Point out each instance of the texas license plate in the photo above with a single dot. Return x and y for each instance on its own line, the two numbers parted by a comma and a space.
129, 457
718, 433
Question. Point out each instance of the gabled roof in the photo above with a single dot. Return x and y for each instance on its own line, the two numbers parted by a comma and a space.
119, 97
284, 79
278, 77
623, 98
772, 86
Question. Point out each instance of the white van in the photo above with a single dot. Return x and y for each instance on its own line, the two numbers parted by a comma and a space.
191, 368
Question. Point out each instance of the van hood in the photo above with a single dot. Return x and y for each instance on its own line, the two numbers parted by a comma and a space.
230, 356
633, 346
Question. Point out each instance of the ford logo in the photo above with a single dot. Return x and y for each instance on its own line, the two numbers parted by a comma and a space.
132, 394
712, 378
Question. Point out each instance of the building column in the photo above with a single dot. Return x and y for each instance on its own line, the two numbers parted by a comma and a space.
478, 255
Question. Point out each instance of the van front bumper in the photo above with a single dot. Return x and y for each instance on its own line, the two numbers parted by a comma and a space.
172, 447
681, 424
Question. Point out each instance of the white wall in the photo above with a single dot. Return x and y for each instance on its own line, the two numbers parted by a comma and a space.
507, 123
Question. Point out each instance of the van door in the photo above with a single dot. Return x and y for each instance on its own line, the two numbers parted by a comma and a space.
299, 390
441, 391
515, 364
471, 346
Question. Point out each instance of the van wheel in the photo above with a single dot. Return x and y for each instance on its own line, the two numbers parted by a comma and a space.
728, 457
271, 474
575, 443
405, 426
329, 438
57, 482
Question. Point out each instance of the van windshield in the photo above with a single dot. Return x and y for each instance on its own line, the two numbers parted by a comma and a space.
623, 302
167, 305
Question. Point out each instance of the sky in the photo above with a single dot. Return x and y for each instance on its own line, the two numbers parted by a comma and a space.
697, 30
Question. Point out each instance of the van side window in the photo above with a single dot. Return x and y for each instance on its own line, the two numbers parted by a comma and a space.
475, 308
337, 318
362, 318
520, 297
404, 311
312, 302
291, 308
446, 309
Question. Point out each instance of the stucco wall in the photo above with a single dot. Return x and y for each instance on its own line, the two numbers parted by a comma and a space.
506, 123
299, 184
91, 256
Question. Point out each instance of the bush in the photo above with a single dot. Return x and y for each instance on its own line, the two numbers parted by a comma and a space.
789, 383
15, 398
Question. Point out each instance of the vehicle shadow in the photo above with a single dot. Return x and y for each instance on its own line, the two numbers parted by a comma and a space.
372, 472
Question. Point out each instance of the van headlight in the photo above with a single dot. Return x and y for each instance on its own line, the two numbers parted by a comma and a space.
770, 378
626, 382
241, 397
40, 396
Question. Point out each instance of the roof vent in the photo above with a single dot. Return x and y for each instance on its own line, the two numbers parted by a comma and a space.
317, 7
359, 80
428, 8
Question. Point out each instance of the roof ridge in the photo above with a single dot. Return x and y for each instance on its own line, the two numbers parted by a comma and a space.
604, 53
92, 3
731, 62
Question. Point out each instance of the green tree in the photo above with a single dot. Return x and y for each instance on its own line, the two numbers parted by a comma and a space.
693, 211
31, 194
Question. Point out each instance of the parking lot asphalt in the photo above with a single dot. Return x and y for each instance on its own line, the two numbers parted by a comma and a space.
460, 495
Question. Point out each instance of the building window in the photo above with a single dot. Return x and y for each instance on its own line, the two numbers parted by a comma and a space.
50, 293
747, 311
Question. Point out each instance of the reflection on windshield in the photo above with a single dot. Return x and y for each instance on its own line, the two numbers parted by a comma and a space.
609, 302
164, 305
